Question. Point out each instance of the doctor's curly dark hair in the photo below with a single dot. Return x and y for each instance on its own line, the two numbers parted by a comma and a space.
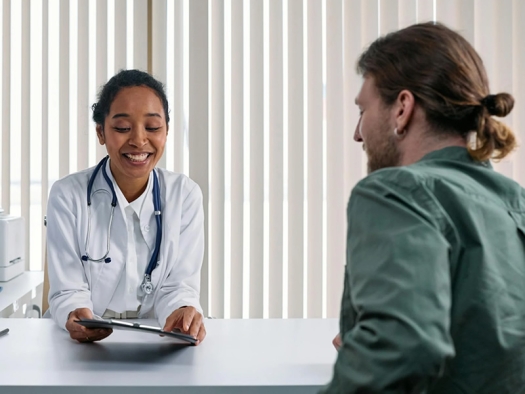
125, 79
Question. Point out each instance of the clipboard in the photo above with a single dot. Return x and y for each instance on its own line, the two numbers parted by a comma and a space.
134, 326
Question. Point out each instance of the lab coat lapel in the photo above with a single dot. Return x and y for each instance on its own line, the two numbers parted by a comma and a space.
159, 274
148, 226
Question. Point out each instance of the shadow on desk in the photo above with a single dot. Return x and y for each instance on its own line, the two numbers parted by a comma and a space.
103, 355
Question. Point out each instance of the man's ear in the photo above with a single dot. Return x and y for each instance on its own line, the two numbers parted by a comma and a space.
100, 135
404, 109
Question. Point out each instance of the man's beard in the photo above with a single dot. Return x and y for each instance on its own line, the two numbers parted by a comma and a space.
384, 154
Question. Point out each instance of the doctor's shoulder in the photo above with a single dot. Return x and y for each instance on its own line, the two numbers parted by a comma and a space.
72, 186
179, 186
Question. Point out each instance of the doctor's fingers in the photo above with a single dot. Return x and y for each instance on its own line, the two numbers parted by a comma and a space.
81, 333
201, 335
72, 325
81, 313
195, 326
90, 335
97, 335
181, 319
174, 321
188, 319
74, 316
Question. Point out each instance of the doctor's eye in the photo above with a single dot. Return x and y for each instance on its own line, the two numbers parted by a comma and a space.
121, 129
153, 128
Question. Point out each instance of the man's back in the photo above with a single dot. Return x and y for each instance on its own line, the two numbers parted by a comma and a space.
435, 281
486, 231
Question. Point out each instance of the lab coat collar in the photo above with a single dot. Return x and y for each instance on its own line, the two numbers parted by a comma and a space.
141, 208
146, 212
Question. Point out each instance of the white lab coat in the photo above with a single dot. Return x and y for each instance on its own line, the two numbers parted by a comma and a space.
78, 284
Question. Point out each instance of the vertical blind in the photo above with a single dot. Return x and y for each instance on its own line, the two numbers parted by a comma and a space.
262, 117
55, 55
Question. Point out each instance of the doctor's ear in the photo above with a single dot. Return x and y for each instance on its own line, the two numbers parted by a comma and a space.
100, 134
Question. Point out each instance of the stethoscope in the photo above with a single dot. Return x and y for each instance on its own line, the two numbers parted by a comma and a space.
146, 285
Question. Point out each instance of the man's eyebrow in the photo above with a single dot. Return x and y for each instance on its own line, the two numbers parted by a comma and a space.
153, 114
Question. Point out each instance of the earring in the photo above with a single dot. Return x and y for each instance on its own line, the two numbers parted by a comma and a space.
398, 133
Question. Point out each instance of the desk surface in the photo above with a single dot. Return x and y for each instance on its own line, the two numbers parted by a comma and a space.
237, 356
19, 286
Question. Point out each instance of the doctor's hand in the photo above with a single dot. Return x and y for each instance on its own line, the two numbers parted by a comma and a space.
81, 333
188, 321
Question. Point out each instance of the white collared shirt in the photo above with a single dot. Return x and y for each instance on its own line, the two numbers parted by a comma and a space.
128, 295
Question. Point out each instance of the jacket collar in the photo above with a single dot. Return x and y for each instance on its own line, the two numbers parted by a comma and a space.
455, 153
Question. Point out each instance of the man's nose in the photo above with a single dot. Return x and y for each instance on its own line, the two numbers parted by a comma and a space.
357, 133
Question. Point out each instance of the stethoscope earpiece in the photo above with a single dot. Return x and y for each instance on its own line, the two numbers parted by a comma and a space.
107, 260
84, 258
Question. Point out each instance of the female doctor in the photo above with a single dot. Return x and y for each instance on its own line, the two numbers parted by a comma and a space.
126, 239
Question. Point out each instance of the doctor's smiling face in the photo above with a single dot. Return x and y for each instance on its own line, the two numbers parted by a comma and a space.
134, 132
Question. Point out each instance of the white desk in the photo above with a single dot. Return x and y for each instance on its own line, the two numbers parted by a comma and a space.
24, 289
238, 356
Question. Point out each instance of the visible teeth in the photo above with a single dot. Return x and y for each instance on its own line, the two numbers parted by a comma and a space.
141, 157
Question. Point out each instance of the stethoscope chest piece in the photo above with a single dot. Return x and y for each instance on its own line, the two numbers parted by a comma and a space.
147, 286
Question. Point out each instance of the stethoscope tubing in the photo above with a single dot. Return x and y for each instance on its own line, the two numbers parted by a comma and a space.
158, 219
146, 284
105, 257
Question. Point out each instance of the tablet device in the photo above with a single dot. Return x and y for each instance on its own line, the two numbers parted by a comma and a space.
134, 326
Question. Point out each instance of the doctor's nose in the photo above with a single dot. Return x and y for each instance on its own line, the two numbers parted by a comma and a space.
138, 137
